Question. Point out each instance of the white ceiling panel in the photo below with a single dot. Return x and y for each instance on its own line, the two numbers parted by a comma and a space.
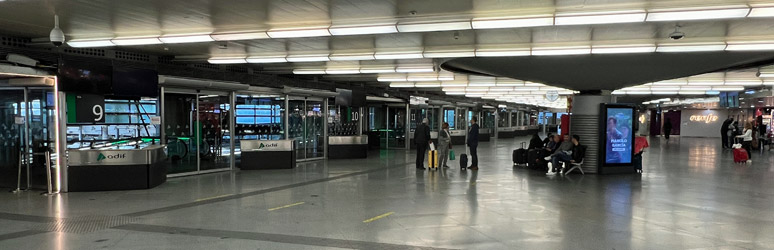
298, 12
561, 34
342, 11
401, 40
625, 31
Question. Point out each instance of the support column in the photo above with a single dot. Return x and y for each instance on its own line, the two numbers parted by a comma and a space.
585, 122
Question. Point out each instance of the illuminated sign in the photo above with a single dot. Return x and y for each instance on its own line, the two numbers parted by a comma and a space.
708, 118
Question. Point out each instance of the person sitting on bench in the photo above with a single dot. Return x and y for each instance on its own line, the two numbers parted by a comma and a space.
565, 153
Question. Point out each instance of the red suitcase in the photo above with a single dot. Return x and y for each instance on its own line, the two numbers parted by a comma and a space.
740, 155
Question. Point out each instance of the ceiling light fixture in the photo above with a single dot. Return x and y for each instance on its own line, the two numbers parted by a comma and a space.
561, 51
761, 12
699, 14
309, 71
90, 43
377, 69
521, 22
750, 46
401, 85
668, 48
415, 69
427, 84
449, 54
397, 55
342, 71
268, 59
435, 26
128, 41
624, 50
186, 38
296, 33
352, 57
240, 36
392, 78
226, 60
502, 52
363, 30
600, 18
308, 58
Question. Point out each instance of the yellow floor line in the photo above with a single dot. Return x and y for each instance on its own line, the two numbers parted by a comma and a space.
378, 217
214, 197
287, 206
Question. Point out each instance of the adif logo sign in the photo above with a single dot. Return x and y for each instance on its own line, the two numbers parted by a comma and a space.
102, 156
708, 118
267, 145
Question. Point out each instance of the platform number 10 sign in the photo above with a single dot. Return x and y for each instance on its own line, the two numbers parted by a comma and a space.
85, 108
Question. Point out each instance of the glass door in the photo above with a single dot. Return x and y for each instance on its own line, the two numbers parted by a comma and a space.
314, 128
11, 136
212, 129
179, 118
396, 123
296, 124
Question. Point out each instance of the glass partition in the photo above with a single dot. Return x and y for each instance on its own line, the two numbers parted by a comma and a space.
396, 123
488, 119
306, 127
503, 116
212, 132
179, 120
258, 117
449, 116
126, 121
515, 121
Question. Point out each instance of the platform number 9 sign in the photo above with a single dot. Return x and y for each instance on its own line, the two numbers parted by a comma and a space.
88, 108
97, 110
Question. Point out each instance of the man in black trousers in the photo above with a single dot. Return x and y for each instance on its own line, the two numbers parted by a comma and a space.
473, 143
422, 141
724, 131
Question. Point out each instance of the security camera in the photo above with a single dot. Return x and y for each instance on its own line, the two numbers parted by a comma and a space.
677, 35
57, 37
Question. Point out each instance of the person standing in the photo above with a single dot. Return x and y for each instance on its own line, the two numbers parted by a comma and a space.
747, 140
473, 143
444, 144
422, 141
731, 133
724, 132
667, 128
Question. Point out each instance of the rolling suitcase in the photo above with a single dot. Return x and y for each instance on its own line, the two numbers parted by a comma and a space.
520, 155
740, 155
536, 161
432, 159
463, 161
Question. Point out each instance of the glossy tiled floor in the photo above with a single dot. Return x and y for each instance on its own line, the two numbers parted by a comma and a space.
691, 196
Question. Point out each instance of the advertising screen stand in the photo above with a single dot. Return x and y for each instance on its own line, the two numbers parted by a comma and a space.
616, 138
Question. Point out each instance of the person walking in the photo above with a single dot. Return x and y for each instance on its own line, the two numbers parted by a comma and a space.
444, 144
747, 140
724, 132
473, 143
667, 128
422, 141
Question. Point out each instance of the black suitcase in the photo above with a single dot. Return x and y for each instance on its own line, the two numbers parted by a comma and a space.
535, 158
463, 161
520, 155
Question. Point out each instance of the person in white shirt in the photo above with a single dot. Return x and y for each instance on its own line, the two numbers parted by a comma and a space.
747, 139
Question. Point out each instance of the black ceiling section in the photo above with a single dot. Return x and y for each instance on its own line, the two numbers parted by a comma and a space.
607, 72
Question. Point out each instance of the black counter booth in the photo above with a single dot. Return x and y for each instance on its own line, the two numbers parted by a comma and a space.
345, 125
421, 108
385, 121
260, 130
307, 124
197, 117
31, 117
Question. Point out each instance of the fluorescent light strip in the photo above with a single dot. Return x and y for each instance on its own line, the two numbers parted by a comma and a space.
436, 26
728, 88
449, 54
376, 70
128, 41
309, 71
502, 52
705, 82
743, 83
186, 39
623, 50
762, 12
691, 92
690, 48
681, 15
352, 57
295, 33
276, 59
334, 71
455, 93
454, 84
309, 58
90, 43
749, 47
226, 60
560, 51
427, 84
397, 55
392, 78
240, 36
512, 23
422, 78
582, 19
363, 30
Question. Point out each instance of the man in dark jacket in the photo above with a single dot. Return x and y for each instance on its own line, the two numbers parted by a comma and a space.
724, 132
473, 143
422, 140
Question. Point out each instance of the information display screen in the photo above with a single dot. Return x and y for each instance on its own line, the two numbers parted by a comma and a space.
619, 135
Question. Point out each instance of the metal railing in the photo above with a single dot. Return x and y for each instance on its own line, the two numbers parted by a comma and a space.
23, 161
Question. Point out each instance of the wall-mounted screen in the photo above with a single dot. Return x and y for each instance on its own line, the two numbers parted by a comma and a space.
619, 132
87, 78
128, 82
344, 97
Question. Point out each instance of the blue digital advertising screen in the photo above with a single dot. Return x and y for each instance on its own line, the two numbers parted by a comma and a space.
618, 135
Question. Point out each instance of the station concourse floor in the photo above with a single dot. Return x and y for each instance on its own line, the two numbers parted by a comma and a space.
691, 196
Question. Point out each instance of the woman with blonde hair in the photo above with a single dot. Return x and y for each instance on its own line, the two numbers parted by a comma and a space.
747, 140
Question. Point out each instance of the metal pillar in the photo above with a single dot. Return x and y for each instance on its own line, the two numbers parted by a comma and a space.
232, 130
325, 127
286, 116
61, 155
27, 133
407, 130
197, 133
162, 112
